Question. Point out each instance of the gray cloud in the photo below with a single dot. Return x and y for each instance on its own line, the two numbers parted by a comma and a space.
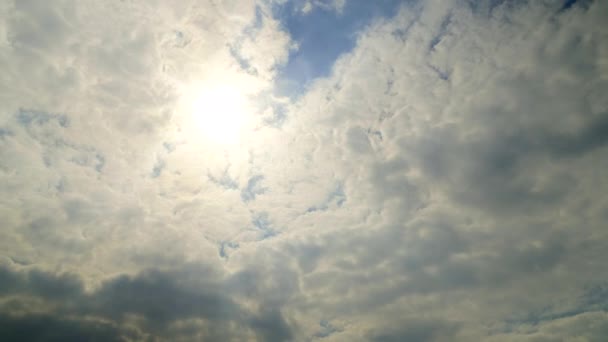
37, 327
417, 330
153, 299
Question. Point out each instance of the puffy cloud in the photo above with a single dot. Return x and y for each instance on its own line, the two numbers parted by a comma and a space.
38, 327
444, 182
157, 302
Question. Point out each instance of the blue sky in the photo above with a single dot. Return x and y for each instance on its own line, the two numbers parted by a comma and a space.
323, 35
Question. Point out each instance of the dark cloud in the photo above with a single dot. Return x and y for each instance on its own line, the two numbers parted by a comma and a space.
42, 327
497, 171
270, 325
416, 330
159, 299
41, 284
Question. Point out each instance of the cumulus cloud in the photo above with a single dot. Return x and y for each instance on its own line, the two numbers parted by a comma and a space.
185, 301
443, 182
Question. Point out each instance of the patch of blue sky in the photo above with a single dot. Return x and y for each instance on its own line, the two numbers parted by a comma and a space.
323, 35
261, 221
568, 4
593, 299
225, 247
326, 329
158, 168
250, 31
336, 197
224, 181
27, 117
254, 187
5, 132
484, 6
487, 6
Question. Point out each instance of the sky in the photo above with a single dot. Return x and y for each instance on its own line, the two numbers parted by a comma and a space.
303, 170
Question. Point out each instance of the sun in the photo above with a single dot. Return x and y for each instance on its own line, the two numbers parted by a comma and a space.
220, 113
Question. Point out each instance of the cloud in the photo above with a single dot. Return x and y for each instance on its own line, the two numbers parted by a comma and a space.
48, 328
150, 303
473, 158
437, 175
416, 331
321, 32
333, 5
589, 326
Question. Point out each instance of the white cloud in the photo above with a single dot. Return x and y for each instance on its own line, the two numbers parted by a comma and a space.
327, 5
443, 183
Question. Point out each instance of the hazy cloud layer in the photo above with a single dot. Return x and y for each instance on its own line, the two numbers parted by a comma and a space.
443, 182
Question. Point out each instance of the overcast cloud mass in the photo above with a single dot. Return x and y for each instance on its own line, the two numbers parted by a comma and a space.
420, 170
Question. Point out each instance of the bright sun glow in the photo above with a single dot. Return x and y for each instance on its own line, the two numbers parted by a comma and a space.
220, 113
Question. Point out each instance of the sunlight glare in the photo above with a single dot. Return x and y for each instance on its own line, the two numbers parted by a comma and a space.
219, 113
